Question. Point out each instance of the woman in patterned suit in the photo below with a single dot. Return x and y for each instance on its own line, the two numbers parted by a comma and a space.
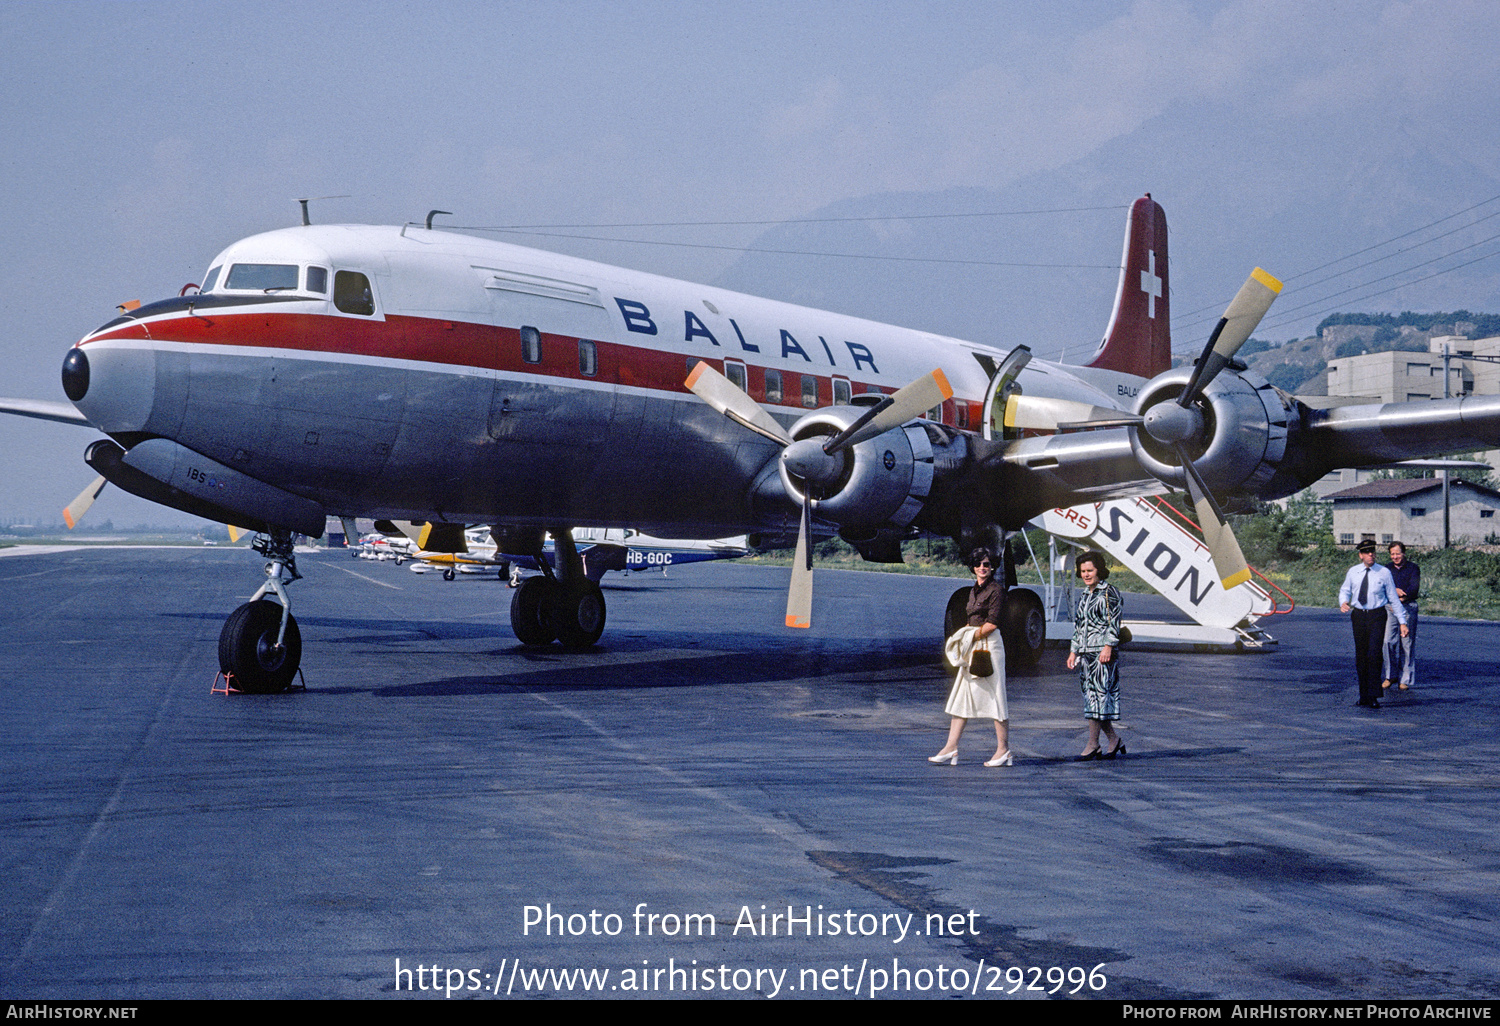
1095, 654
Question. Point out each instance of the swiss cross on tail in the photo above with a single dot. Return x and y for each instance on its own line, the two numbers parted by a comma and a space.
1139, 337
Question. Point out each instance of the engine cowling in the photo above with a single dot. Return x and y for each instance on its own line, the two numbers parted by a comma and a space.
1242, 443
882, 483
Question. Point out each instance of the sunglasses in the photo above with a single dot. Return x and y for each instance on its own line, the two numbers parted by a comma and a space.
987, 565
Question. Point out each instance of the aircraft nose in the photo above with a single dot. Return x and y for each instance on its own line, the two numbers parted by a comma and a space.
75, 374
112, 384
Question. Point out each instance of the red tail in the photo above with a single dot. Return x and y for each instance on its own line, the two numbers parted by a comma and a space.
1139, 337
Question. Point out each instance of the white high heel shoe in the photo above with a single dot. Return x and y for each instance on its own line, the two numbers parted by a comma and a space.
950, 758
1003, 759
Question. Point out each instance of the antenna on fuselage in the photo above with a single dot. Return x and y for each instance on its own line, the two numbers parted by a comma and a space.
433, 213
305, 219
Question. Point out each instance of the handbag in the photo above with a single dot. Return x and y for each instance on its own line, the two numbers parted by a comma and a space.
980, 663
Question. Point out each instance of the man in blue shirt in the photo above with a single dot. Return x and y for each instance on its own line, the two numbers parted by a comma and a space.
1401, 652
1367, 591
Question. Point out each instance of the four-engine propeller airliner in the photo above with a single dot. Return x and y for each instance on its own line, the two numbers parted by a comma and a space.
416, 374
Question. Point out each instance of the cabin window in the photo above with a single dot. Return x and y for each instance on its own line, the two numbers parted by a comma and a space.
773, 386
212, 279
588, 358
809, 391
735, 372
266, 277
840, 392
317, 280
531, 344
351, 293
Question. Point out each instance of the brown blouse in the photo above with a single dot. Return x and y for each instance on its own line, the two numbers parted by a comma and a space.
985, 603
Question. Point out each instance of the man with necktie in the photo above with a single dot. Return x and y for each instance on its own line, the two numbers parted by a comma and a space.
1367, 591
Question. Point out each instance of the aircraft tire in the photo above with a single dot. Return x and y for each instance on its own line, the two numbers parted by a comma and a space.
578, 614
247, 648
531, 611
1024, 628
449, 574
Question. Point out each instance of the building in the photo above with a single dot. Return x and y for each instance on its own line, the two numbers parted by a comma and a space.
1411, 512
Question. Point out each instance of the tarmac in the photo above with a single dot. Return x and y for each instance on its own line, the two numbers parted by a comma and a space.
709, 804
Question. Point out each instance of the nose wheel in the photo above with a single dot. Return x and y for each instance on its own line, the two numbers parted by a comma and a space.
260, 646
249, 649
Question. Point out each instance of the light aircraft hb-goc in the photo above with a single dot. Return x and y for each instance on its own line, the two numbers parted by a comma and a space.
407, 373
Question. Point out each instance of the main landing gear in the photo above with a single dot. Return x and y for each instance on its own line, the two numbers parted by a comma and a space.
562, 605
260, 647
1023, 626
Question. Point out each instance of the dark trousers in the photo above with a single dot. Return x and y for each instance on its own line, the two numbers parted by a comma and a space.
1369, 644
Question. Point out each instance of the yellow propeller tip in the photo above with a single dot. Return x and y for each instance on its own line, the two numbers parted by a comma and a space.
798, 621
1266, 279
1237, 580
695, 373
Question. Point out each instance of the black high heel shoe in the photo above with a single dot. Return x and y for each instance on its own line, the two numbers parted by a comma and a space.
1118, 750
1089, 756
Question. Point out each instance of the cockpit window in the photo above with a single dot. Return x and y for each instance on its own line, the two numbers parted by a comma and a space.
351, 293
317, 279
213, 277
262, 276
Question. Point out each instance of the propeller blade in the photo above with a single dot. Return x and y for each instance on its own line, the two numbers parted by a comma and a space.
1245, 311
905, 404
1229, 561
235, 534
727, 397
1041, 414
75, 510
799, 596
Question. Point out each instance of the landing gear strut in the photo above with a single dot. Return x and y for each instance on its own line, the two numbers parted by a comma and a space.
563, 605
260, 646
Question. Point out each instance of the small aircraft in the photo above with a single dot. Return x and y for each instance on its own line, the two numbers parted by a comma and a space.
411, 373
601, 549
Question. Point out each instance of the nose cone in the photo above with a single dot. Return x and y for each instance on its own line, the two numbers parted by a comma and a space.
75, 374
113, 384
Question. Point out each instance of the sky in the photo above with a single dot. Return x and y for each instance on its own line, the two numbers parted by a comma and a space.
142, 138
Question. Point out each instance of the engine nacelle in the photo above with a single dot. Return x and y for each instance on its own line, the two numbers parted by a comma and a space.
884, 480
1244, 438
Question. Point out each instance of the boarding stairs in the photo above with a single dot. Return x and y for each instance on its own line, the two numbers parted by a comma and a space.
1163, 548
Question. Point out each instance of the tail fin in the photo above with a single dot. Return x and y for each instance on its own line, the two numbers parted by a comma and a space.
1139, 337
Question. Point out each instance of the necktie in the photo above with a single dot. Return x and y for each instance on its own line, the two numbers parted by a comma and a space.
1364, 589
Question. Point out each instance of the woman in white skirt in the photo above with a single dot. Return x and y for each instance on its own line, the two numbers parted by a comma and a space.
979, 697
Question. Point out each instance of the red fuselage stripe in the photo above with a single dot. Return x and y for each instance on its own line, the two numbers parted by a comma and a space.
465, 344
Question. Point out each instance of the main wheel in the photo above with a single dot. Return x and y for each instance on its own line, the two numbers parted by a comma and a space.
578, 614
1024, 627
248, 649
449, 574
531, 611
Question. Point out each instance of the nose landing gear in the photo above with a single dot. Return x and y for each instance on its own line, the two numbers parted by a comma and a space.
260, 647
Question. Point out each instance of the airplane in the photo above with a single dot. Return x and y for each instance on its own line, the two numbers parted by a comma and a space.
406, 372
601, 549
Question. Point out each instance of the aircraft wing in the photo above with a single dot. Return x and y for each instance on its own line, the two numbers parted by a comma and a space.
1354, 436
43, 409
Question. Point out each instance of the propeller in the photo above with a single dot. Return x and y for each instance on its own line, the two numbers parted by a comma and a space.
1175, 423
75, 510
817, 461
